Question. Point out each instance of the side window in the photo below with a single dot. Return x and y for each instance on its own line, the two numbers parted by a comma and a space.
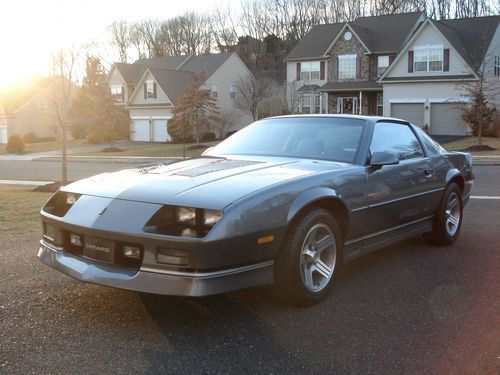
397, 138
431, 146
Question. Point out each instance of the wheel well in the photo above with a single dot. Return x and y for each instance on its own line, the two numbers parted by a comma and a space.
459, 180
335, 207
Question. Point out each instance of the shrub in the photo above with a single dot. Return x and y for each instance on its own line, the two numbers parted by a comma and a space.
30, 137
93, 138
15, 144
208, 137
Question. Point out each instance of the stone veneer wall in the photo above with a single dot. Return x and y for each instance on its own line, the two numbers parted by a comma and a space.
348, 47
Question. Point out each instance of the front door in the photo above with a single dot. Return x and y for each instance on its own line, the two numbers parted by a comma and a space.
348, 105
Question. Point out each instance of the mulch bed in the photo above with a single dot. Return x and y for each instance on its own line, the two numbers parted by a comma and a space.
477, 148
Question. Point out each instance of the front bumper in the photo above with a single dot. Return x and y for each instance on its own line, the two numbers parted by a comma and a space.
194, 284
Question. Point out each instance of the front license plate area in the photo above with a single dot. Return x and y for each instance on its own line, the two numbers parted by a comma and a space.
99, 249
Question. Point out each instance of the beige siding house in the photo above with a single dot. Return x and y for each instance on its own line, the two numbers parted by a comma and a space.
426, 84
150, 89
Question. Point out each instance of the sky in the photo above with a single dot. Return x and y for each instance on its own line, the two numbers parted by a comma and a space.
30, 30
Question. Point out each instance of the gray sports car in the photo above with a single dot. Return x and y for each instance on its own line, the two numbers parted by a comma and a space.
286, 200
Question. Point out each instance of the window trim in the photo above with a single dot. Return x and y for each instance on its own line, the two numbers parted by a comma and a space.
309, 68
427, 48
150, 84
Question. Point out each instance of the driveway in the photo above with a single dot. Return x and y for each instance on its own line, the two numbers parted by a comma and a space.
410, 308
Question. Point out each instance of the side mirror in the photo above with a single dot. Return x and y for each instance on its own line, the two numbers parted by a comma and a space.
382, 158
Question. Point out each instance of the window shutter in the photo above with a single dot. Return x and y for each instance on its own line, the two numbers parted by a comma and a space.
145, 91
298, 71
375, 66
322, 70
446, 59
410, 61
358, 66
154, 90
336, 68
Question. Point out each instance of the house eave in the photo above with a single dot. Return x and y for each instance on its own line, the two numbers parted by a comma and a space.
299, 59
427, 79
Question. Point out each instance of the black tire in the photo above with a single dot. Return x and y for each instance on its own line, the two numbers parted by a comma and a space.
288, 277
441, 234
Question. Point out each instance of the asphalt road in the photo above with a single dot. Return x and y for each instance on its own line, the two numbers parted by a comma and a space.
408, 309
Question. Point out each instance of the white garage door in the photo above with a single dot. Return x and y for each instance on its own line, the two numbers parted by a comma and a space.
412, 112
3, 135
446, 119
140, 131
160, 133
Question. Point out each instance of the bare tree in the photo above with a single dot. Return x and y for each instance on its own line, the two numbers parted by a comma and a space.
250, 92
64, 63
121, 39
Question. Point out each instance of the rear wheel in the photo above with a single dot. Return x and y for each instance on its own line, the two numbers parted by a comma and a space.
448, 220
306, 265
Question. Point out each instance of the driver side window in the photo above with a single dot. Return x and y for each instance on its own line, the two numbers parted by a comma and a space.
396, 138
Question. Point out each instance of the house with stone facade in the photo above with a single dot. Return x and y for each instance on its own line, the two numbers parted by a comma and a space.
150, 88
406, 66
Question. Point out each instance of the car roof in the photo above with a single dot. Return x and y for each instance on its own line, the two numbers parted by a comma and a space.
329, 115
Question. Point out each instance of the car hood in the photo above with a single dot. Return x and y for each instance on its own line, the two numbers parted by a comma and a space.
207, 182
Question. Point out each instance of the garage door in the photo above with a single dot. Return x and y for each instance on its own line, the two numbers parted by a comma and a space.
3, 134
140, 131
160, 133
446, 119
412, 112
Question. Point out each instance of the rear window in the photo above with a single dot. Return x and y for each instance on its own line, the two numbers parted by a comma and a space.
431, 145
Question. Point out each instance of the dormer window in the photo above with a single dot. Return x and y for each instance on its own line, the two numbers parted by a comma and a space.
428, 58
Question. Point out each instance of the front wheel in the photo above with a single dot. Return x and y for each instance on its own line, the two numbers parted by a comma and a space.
306, 265
448, 220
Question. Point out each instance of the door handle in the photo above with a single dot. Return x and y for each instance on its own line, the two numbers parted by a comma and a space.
428, 172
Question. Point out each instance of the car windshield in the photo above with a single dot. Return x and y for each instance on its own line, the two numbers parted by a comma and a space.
325, 138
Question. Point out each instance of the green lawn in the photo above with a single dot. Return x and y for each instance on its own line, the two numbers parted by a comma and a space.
20, 209
157, 150
43, 146
464, 143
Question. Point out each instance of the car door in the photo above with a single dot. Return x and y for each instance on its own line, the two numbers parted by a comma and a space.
397, 194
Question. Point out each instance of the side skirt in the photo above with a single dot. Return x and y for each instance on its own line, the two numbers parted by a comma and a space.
374, 241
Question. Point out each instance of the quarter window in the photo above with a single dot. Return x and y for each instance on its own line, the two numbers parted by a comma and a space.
347, 66
396, 138
428, 59
309, 70
382, 64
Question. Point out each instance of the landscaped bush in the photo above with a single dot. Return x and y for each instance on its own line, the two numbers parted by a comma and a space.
29, 137
208, 137
15, 145
93, 138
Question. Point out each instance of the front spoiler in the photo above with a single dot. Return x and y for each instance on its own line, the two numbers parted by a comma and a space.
193, 284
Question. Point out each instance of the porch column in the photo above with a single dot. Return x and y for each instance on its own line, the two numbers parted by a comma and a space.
320, 102
360, 102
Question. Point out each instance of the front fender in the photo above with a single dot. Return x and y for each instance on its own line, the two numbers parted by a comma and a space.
308, 197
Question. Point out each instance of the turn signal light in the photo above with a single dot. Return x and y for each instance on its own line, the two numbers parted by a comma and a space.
131, 251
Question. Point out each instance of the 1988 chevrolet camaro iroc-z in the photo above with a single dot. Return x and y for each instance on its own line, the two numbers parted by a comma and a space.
286, 200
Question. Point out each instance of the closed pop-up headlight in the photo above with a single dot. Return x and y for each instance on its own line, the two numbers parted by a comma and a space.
186, 215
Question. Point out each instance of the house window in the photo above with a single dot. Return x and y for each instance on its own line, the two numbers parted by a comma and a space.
428, 59
380, 104
347, 66
214, 89
309, 70
42, 105
497, 66
150, 90
317, 103
382, 64
116, 92
232, 91
305, 103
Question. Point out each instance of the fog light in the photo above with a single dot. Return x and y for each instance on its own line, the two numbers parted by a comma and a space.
75, 239
171, 256
132, 251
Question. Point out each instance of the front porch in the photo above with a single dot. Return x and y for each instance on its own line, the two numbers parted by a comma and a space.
361, 98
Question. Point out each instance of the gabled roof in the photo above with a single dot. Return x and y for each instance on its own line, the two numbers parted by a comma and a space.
131, 73
164, 62
207, 63
378, 33
172, 82
471, 37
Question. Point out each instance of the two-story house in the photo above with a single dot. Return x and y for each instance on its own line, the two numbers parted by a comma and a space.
335, 67
151, 88
428, 82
